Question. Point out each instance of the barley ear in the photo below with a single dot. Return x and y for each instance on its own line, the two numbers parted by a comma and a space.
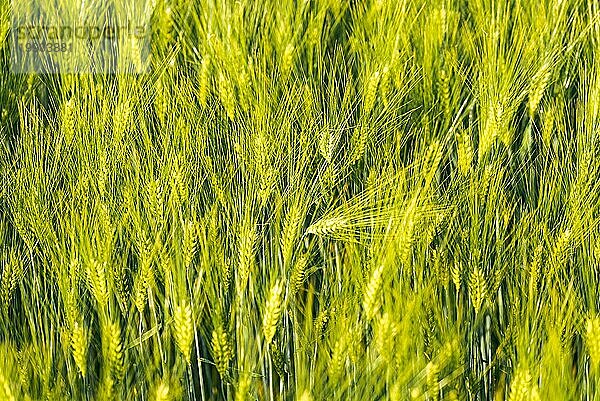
291, 226
69, 120
247, 239
227, 95
385, 334
548, 125
112, 350
538, 86
592, 340
338, 357
162, 392
384, 86
11, 274
79, 341
465, 153
222, 349
523, 387
477, 288
433, 384
273, 310
305, 396
5, 389
372, 295
204, 81
359, 142
189, 243
97, 281
287, 60
298, 274
144, 281
243, 387
371, 92
327, 226
183, 329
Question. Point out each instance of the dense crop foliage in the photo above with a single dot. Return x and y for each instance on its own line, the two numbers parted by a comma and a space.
309, 200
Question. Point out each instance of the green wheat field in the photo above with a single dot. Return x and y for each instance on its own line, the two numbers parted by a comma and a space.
306, 200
